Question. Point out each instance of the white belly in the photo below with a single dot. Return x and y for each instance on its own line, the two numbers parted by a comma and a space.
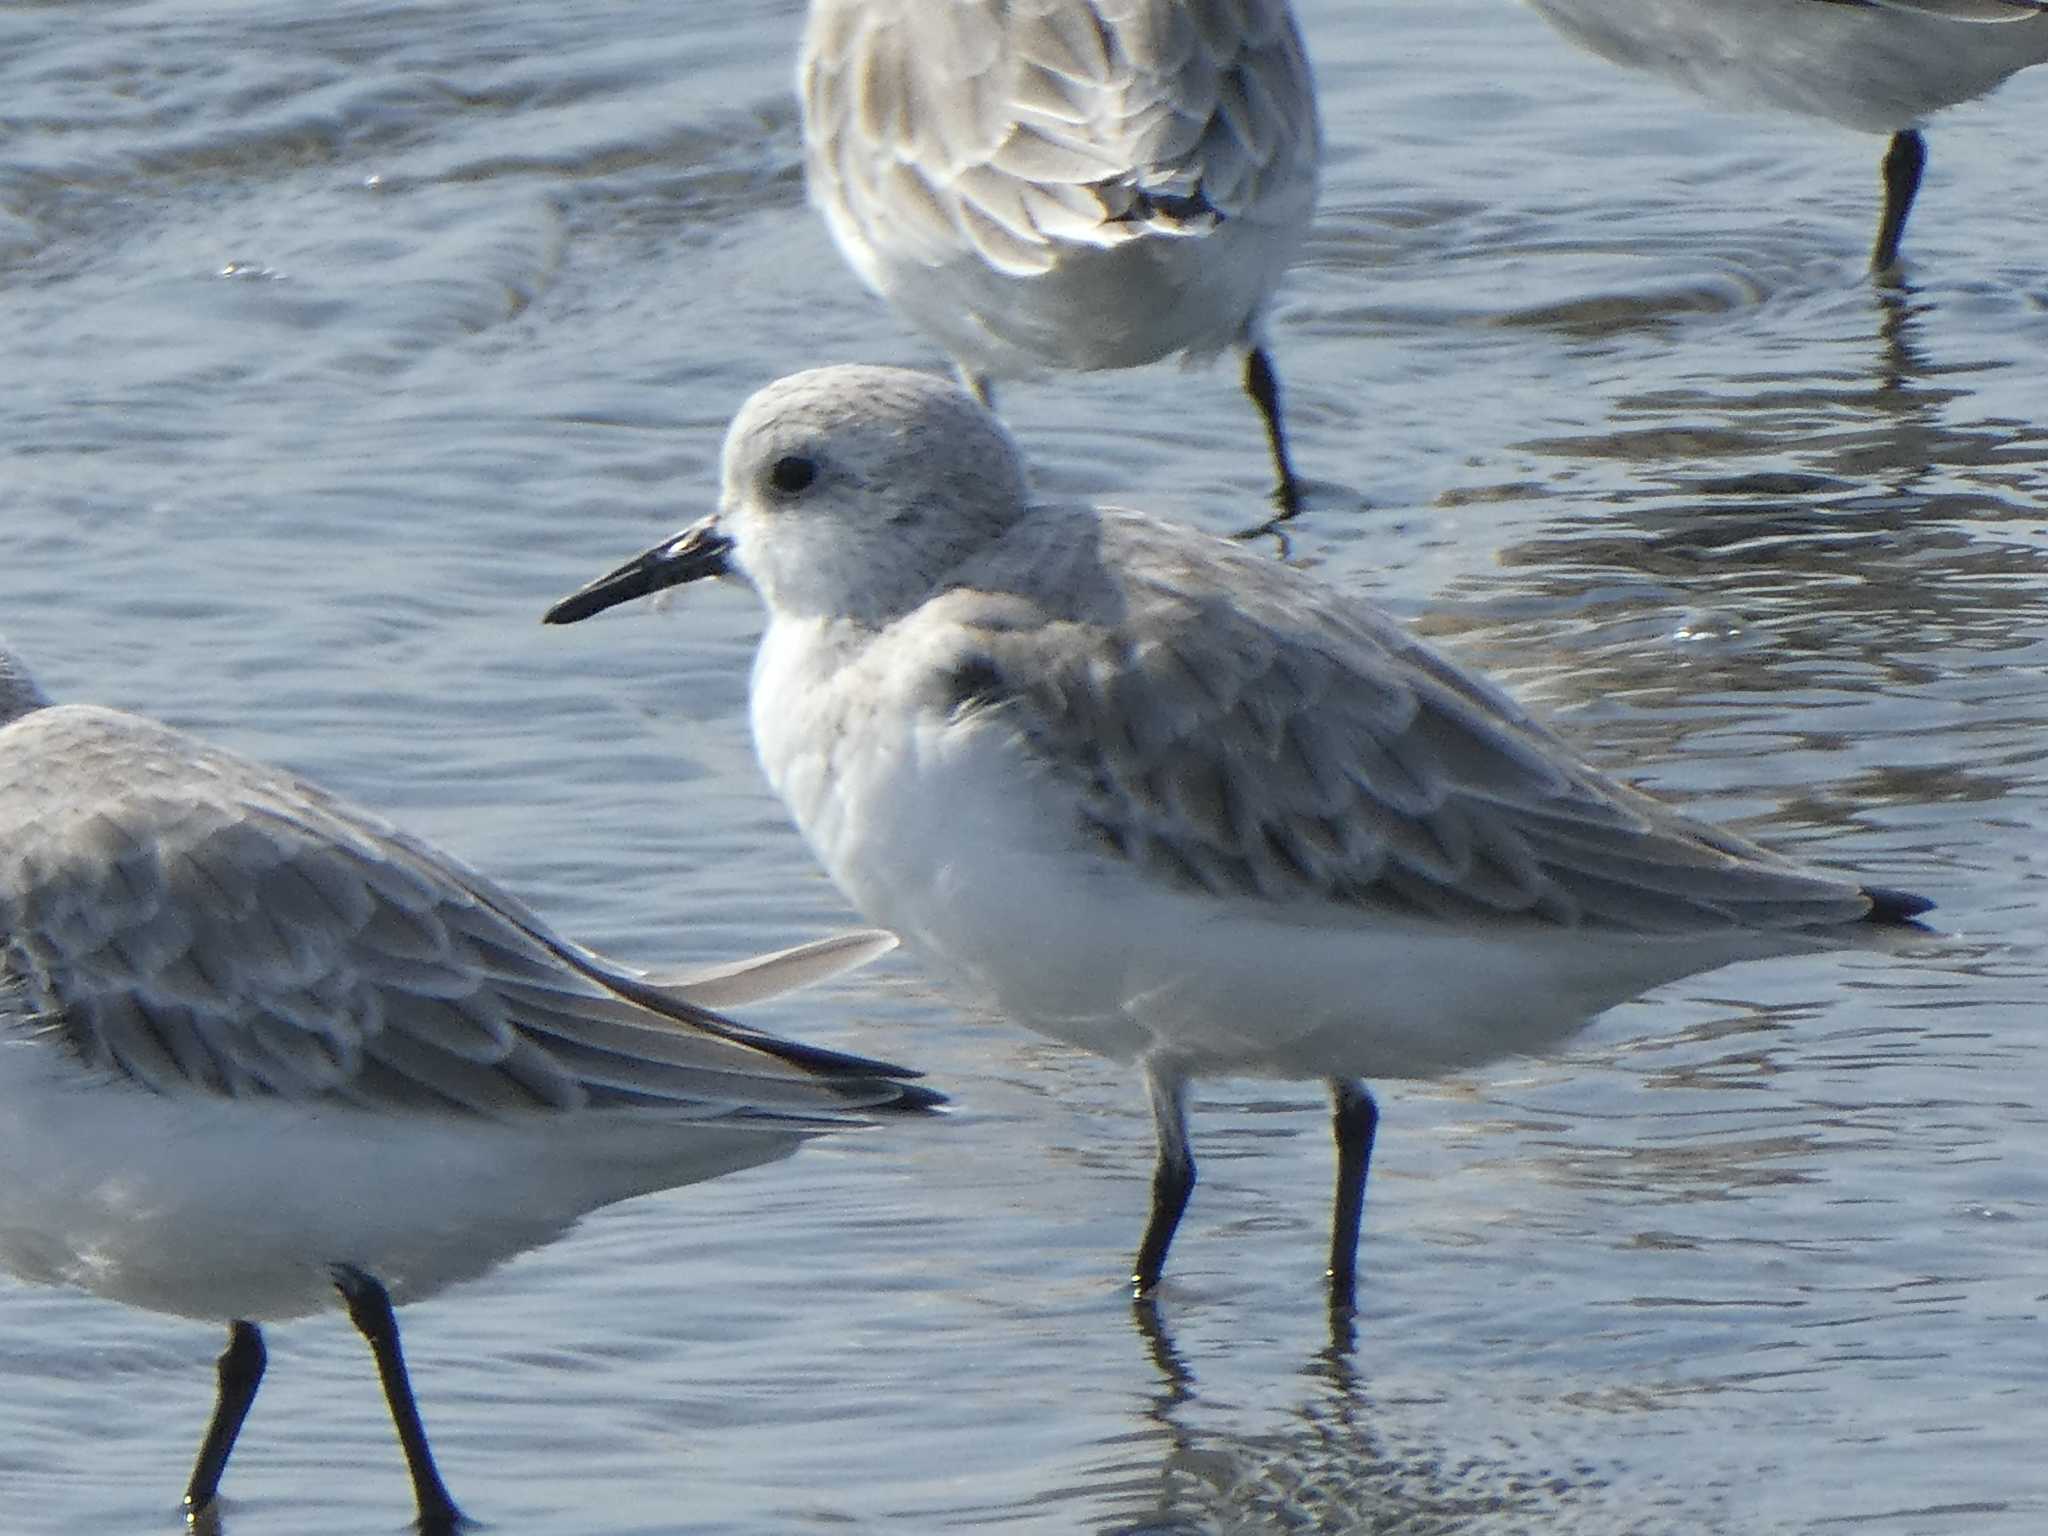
219, 1208
1096, 307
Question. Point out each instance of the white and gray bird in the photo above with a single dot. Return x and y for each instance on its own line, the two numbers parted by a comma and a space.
265, 1054
1168, 800
1068, 184
1877, 66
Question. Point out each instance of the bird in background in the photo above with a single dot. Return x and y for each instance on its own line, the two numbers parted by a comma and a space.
1169, 801
1878, 66
266, 1054
1068, 184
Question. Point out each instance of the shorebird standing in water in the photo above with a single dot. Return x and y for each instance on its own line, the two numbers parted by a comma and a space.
1168, 800
1068, 184
265, 1054
1879, 66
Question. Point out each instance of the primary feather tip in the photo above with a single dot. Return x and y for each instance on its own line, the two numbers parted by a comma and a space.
1890, 906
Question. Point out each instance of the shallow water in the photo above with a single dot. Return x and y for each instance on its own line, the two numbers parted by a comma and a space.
342, 338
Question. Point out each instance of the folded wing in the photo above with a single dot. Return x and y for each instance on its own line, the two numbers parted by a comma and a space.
1232, 730
197, 923
1013, 126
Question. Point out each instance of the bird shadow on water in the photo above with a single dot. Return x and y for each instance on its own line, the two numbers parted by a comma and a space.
1344, 1461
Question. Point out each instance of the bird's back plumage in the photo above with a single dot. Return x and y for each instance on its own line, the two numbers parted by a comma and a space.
1063, 183
1237, 730
198, 923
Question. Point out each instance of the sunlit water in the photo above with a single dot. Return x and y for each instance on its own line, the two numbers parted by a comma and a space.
339, 338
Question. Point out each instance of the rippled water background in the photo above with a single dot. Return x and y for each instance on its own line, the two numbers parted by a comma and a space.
339, 338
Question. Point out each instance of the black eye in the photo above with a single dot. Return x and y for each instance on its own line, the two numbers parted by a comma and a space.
792, 473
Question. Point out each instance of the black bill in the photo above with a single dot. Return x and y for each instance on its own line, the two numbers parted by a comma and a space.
695, 553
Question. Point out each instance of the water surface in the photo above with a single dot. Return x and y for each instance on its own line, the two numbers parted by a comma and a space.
341, 338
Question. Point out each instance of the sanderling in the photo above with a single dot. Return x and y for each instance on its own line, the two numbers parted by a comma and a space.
1168, 800
265, 1053
1068, 183
1879, 66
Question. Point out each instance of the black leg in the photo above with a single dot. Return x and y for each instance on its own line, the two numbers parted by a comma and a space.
239, 1372
1903, 163
369, 1308
1263, 386
1172, 1181
1355, 1119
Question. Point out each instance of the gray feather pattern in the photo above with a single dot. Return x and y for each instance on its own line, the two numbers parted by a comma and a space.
192, 922
1233, 732
1019, 123
1968, 10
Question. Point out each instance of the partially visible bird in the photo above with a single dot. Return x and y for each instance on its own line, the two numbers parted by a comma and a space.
1068, 184
261, 1054
1879, 66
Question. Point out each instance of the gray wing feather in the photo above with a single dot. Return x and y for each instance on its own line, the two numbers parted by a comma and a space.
1231, 730
195, 922
1022, 124
761, 977
1966, 10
